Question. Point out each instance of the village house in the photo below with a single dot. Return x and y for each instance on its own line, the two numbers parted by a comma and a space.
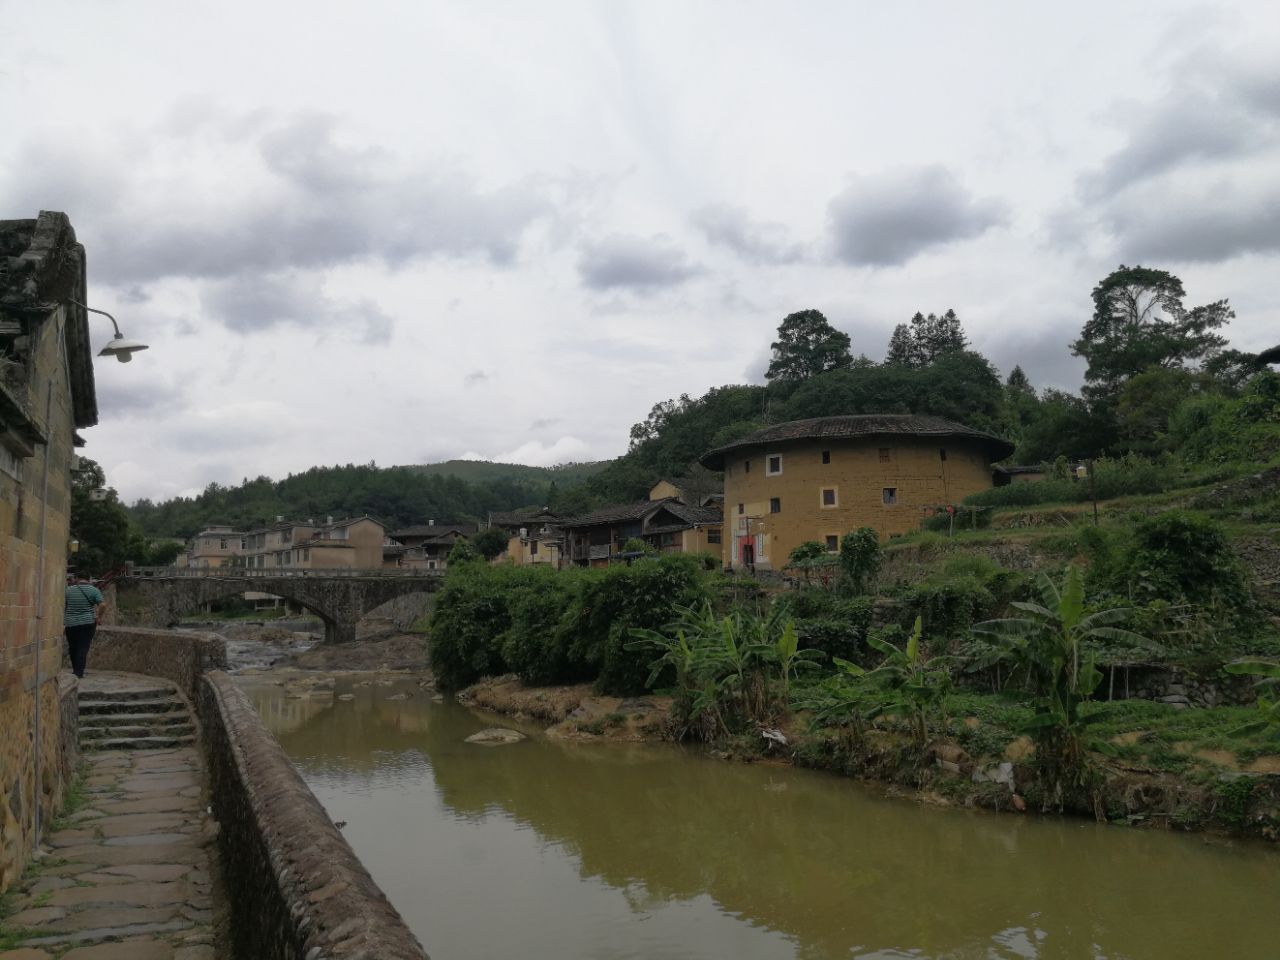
354, 543
424, 546
212, 547
46, 395
534, 536
817, 479
666, 524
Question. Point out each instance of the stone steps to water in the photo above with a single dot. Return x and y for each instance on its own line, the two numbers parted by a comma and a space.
128, 874
141, 714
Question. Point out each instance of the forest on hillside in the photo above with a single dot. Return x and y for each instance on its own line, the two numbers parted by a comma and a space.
1161, 381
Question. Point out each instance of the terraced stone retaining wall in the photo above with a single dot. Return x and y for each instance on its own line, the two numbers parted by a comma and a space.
297, 890
181, 656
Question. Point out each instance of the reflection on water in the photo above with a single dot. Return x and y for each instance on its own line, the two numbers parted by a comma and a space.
551, 850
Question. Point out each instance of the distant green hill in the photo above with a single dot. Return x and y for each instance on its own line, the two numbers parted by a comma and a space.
480, 471
457, 490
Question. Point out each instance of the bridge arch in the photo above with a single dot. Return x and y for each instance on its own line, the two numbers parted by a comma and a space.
151, 597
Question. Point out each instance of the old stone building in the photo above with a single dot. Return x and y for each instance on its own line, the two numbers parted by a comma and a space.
818, 479
46, 393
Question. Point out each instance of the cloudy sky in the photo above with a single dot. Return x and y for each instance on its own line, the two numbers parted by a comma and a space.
410, 231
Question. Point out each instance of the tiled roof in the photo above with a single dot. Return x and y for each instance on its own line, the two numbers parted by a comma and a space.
858, 427
1022, 469
521, 517
616, 513
435, 529
693, 515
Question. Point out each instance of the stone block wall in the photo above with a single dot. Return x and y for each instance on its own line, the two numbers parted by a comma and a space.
297, 890
46, 392
181, 656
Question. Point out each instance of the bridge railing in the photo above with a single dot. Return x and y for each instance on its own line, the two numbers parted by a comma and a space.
271, 573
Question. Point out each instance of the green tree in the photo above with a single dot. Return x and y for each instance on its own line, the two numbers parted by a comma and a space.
1145, 402
860, 557
1139, 321
926, 339
99, 522
807, 345
490, 542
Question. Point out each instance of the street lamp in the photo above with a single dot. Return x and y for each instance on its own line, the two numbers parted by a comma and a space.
120, 348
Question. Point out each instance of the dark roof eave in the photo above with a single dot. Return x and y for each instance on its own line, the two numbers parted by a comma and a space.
859, 427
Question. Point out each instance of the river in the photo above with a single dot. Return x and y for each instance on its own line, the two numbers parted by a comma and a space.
559, 851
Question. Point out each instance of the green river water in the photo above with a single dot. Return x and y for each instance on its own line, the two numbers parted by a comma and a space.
557, 851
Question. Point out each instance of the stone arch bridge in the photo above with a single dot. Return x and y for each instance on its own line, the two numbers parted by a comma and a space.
160, 596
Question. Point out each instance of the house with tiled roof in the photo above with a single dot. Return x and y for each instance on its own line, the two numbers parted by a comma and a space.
665, 523
424, 546
820, 478
533, 536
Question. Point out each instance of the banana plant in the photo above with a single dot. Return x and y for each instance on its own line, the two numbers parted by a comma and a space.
918, 685
1048, 646
1269, 721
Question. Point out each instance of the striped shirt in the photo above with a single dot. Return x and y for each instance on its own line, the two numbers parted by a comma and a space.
81, 599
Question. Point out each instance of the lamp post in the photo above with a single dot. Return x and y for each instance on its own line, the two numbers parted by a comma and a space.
120, 348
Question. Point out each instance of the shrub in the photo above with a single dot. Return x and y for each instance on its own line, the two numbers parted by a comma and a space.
860, 558
837, 626
533, 645
470, 618
1125, 476
614, 601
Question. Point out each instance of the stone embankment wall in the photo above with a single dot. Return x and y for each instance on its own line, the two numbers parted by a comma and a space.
181, 656
297, 890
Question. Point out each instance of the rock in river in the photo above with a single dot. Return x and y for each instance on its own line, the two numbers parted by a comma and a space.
496, 736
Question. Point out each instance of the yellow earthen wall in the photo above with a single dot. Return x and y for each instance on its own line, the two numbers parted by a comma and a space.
29, 633
915, 468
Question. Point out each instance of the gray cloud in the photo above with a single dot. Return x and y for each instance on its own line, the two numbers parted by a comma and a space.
1218, 224
1206, 115
543, 423
251, 303
309, 202
753, 240
639, 264
142, 398
474, 377
888, 219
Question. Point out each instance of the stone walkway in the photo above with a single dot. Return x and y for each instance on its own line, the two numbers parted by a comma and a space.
128, 876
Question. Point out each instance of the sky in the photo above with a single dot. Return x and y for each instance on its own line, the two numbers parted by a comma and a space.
403, 232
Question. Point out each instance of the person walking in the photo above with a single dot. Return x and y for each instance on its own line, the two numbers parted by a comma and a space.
80, 619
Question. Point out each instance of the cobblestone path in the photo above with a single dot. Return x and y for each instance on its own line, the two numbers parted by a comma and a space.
128, 876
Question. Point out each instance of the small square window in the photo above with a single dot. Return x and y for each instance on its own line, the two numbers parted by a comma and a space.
740, 509
775, 504
833, 543
942, 454
829, 496
884, 454
890, 495
746, 466
713, 535
826, 456
773, 465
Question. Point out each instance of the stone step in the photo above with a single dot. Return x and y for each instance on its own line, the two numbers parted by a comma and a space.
136, 719
98, 705
88, 734
139, 743
142, 691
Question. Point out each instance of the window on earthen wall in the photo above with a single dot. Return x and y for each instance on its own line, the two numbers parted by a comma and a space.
890, 495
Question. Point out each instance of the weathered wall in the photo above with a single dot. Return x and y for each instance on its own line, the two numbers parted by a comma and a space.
181, 656
297, 890
46, 391
914, 468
